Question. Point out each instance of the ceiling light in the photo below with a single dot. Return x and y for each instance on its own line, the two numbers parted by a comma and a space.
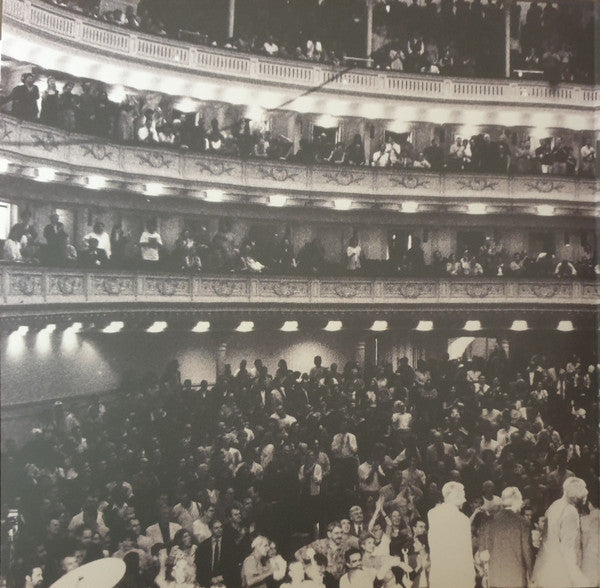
333, 326
277, 200
565, 326
545, 209
519, 326
342, 203
117, 94
379, 326
22, 330
154, 189
410, 206
113, 327
424, 326
45, 174
476, 208
245, 327
214, 195
289, 326
96, 182
4, 163
157, 327
49, 328
472, 326
201, 327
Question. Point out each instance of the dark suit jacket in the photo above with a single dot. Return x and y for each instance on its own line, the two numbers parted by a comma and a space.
507, 537
226, 566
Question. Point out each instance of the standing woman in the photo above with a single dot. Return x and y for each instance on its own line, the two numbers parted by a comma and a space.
257, 569
50, 108
353, 255
184, 555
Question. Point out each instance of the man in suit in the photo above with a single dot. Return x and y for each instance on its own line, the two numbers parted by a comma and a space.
216, 557
505, 543
164, 530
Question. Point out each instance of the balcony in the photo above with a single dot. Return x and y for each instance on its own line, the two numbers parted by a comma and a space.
74, 158
51, 288
56, 28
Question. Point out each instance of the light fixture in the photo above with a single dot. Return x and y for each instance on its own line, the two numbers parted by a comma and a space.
424, 326
96, 182
157, 327
49, 328
214, 195
476, 208
22, 330
154, 189
519, 325
342, 203
333, 326
45, 174
379, 326
185, 105
4, 163
472, 326
245, 327
289, 326
565, 326
410, 206
201, 327
113, 327
117, 94
277, 200
545, 209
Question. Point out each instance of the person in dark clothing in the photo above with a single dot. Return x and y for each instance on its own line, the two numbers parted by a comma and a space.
24, 99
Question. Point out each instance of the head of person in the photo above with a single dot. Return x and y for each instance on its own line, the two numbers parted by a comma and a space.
216, 528
346, 526
98, 228
260, 546
353, 558
27, 79
487, 489
318, 360
334, 532
356, 514
512, 499
367, 542
419, 527
296, 572
575, 491
421, 544
454, 493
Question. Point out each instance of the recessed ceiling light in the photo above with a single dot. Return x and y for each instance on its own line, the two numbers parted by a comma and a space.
96, 182
379, 326
245, 327
157, 327
342, 203
201, 327
277, 200
410, 206
154, 189
113, 327
565, 326
472, 326
333, 326
424, 326
214, 195
519, 325
289, 326
476, 208
46, 174
545, 209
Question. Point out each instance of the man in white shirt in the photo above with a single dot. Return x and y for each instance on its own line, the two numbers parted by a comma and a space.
491, 502
285, 421
151, 243
101, 236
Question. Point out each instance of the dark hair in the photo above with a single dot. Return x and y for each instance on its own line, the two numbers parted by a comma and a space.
351, 552
157, 548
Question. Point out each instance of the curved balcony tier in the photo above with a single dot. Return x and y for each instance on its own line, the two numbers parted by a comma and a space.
74, 159
59, 40
31, 287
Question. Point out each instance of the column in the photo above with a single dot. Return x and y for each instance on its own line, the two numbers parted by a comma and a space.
507, 6
369, 28
359, 352
230, 19
221, 357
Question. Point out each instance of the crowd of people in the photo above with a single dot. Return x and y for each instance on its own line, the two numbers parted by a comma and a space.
85, 107
270, 252
339, 476
450, 37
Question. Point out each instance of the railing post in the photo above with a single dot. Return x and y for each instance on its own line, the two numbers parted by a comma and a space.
507, 9
133, 44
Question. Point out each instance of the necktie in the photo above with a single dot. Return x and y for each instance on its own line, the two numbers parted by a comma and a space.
216, 554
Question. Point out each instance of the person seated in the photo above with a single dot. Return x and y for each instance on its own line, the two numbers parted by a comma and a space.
420, 162
92, 256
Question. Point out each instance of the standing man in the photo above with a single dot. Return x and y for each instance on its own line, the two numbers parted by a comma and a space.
450, 541
505, 544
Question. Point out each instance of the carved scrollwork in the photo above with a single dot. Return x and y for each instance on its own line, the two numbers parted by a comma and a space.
409, 182
478, 290
343, 177
167, 287
154, 159
477, 184
346, 290
544, 290
223, 288
98, 151
27, 285
285, 289
215, 168
545, 186
65, 285
46, 140
277, 173
114, 286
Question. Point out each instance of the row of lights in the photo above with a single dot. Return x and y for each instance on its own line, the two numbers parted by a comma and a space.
96, 182
288, 326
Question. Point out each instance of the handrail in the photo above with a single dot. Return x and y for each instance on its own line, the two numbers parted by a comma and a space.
56, 22
31, 145
51, 287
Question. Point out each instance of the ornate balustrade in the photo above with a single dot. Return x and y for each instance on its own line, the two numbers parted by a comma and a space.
24, 286
29, 145
96, 36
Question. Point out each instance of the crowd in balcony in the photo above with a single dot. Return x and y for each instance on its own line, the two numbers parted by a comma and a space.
450, 37
197, 252
85, 107
329, 478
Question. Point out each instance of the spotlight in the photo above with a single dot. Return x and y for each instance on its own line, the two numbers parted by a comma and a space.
48, 329
277, 200
154, 189
75, 328
96, 182
201, 327
410, 206
214, 195
476, 208
113, 327
379, 326
519, 325
45, 174
245, 327
289, 326
545, 209
472, 326
333, 326
565, 326
4, 163
342, 203
22, 330
157, 327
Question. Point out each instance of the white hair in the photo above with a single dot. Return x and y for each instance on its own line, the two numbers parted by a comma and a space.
450, 488
512, 497
574, 488
258, 540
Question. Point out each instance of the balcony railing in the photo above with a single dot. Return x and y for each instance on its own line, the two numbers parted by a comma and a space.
97, 36
25, 286
32, 145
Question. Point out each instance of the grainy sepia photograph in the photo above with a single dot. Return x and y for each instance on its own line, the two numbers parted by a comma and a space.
299, 294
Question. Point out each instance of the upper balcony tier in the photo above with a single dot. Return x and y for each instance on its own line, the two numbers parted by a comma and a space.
56, 39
